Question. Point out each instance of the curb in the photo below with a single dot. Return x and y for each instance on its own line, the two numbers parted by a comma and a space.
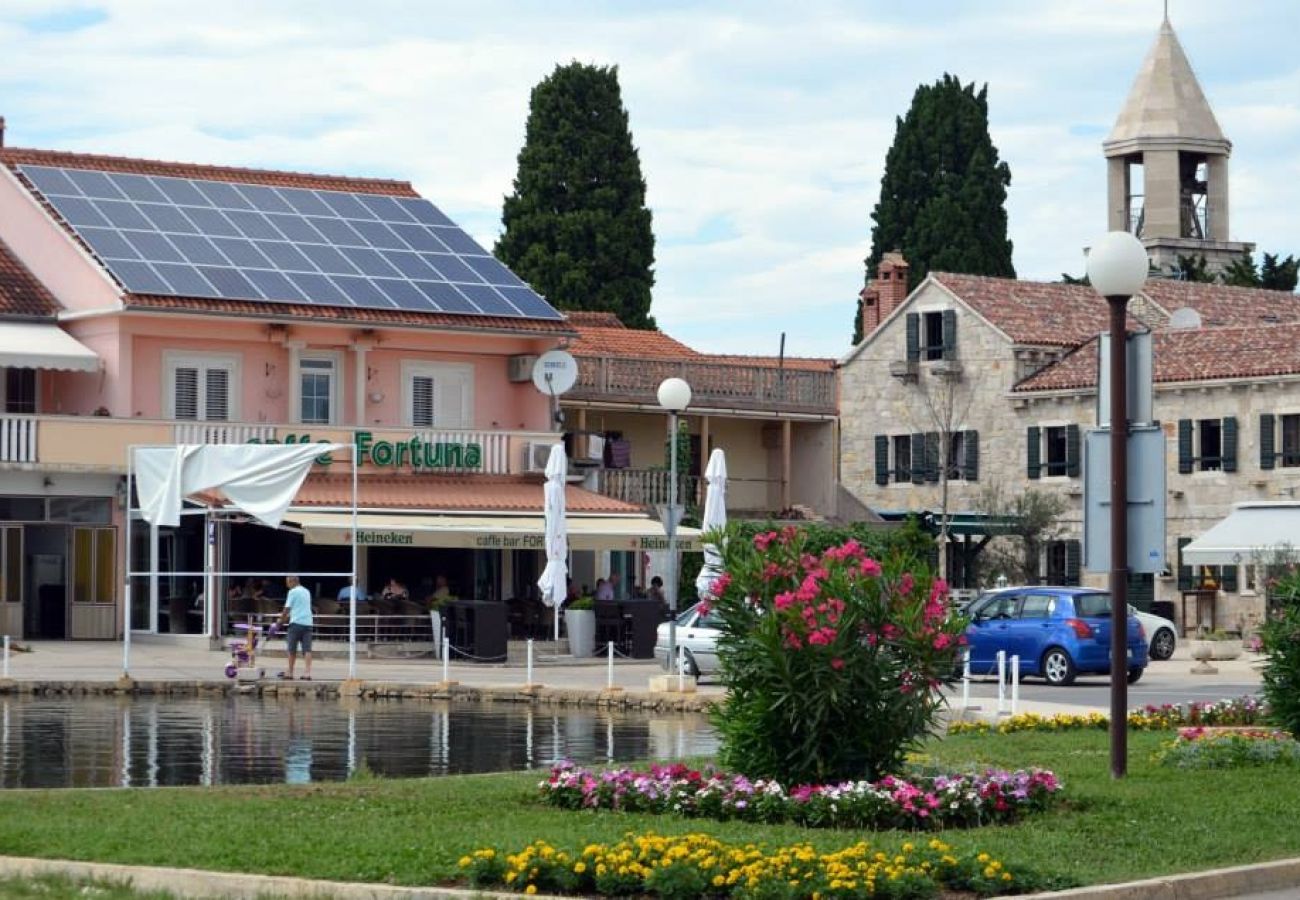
1212, 885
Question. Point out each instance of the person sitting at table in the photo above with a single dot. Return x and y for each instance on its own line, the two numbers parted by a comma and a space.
392, 597
347, 592
237, 601
441, 591
604, 590
656, 594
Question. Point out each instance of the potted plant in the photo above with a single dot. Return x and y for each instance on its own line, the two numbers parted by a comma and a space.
580, 625
1216, 644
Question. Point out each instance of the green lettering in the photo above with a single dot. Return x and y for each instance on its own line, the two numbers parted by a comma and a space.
455, 459
382, 453
438, 461
402, 449
428, 455
473, 456
324, 459
416, 459
364, 439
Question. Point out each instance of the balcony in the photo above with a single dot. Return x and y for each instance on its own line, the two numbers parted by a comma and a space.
649, 488
619, 379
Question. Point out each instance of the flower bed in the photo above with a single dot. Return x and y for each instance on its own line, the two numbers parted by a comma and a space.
939, 801
1229, 748
1241, 711
698, 865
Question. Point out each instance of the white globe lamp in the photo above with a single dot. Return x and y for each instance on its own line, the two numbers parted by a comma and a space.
1118, 265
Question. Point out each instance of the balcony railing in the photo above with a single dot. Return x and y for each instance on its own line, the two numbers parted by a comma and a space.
636, 380
648, 487
17, 439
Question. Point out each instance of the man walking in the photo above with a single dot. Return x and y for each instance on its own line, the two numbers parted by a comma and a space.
297, 612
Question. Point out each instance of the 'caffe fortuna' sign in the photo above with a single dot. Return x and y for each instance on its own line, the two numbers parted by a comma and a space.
413, 452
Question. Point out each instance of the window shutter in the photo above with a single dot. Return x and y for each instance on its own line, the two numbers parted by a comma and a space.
422, 402
950, 334
216, 396
1186, 458
918, 458
1073, 556
1072, 451
450, 403
1228, 579
972, 442
932, 457
882, 460
1267, 445
1230, 444
186, 393
913, 337
1035, 451
1185, 577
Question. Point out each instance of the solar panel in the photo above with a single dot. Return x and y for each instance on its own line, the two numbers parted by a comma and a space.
197, 238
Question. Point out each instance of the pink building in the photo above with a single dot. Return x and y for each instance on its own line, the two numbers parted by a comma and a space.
146, 302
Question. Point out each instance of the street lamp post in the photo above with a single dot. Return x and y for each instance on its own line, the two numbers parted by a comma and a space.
1117, 269
674, 396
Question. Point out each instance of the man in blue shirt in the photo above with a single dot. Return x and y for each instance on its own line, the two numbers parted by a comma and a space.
297, 612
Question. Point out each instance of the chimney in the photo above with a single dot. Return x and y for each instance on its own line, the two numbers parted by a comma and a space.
870, 298
883, 294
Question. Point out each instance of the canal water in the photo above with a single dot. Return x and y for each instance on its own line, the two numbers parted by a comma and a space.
246, 739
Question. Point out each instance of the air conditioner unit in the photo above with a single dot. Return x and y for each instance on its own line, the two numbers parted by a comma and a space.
520, 367
536, 454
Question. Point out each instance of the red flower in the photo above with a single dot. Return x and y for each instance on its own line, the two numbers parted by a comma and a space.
837, 663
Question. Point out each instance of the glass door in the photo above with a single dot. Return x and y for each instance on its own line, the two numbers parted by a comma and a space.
11, 581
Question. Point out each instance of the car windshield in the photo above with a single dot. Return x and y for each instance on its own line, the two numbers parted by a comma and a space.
1095, 605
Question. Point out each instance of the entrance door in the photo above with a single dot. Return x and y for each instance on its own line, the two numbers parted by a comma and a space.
45, 604
11, 581
93, 609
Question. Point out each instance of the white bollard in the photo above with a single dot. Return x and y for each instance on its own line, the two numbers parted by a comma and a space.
529, 680
681, 671
609, 675
965, 681
1002, 681
446, 657
6, 675
1015, 683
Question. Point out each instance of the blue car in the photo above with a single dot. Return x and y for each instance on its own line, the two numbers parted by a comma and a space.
1058, 633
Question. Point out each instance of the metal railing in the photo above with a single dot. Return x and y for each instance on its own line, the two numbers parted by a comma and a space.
712, 383
18, 439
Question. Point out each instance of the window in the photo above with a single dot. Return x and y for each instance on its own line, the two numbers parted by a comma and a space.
902, 469
94, 553
1209, 445
1053, 451
201, 386
932, 347
1038, 606
20, 390
1063, 562
438, 395
1192, 578
318, 389
914, 458
932, 335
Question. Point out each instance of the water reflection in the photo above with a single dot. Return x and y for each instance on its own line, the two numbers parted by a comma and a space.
241, 739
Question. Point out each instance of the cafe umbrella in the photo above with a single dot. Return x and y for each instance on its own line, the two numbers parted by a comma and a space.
715, 518
554, 581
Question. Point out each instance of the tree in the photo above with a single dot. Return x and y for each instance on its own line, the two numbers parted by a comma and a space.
1273, 274
1023, 522
943, 194
576, 226
1279, 276
1192, 268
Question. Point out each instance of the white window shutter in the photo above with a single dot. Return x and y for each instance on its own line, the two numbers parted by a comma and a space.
451, 403
422, 401
216, 404
186, 392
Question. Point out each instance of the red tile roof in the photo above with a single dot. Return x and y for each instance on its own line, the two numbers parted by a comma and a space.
1204, 354
21, 294
358, 315
793, 363
1222, 305
627, 342
593, 319
16, 156
478, 493
1032, 312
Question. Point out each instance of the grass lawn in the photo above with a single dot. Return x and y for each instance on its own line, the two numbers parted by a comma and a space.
1157, 821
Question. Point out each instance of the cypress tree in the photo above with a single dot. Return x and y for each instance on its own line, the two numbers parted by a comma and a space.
576, 226
943, 194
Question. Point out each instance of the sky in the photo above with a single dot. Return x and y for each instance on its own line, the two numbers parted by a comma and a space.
762, 126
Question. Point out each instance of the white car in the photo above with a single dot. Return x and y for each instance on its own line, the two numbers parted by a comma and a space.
1161, 633
697, 641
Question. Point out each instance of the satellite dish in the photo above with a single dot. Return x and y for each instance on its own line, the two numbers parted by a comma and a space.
555, 372
1184, 319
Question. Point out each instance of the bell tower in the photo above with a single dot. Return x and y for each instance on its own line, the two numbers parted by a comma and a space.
1167, 164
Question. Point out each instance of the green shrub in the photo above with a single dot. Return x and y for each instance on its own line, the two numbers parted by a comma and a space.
832, 662
1280, 642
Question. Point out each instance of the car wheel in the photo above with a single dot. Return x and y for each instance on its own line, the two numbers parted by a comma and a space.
1135, 675
1162, 644
1058, 668
692, 668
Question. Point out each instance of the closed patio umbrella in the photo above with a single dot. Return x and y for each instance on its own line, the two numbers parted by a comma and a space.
715, 517
555, 577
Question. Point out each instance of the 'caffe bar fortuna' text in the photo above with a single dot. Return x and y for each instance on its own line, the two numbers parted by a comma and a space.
414, 452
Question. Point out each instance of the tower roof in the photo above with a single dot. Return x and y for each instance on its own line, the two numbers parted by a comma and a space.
1166, 104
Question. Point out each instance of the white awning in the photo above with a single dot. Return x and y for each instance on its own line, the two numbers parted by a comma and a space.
1249, 534
43, 345
488, 532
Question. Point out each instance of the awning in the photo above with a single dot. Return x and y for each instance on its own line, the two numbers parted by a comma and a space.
1249, 534
43, 345
488, 532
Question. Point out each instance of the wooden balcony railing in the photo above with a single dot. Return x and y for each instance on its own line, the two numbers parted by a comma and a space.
637, 380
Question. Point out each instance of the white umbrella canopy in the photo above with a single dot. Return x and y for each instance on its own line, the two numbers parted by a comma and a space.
715, 517
555, 577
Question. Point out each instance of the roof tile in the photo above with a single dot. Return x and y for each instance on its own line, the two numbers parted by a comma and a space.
21, 294
480, 493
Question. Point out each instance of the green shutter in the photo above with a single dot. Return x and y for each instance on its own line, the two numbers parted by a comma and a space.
918, 459
1230, 444
1072, 451
972, 440
1267, 445
1185, 577
1186, 457
1228, 579
882, 459
932, 460
913, 337
950, 334
1073, 556
1034, 448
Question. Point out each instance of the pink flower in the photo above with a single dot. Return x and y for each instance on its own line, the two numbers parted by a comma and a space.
938, 589
783, 601
942, 641
870, 568
906, 583
705, 607
761, 541
837, 663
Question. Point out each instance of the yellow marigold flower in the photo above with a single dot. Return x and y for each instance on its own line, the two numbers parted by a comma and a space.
531, 889
990, 872
579, 868
510, 876
983, 858
466, 862
1006, 876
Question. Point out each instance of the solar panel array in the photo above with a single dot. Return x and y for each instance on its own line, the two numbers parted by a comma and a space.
188, 237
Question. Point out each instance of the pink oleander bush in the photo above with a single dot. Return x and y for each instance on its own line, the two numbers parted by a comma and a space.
915, 803
832, 661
